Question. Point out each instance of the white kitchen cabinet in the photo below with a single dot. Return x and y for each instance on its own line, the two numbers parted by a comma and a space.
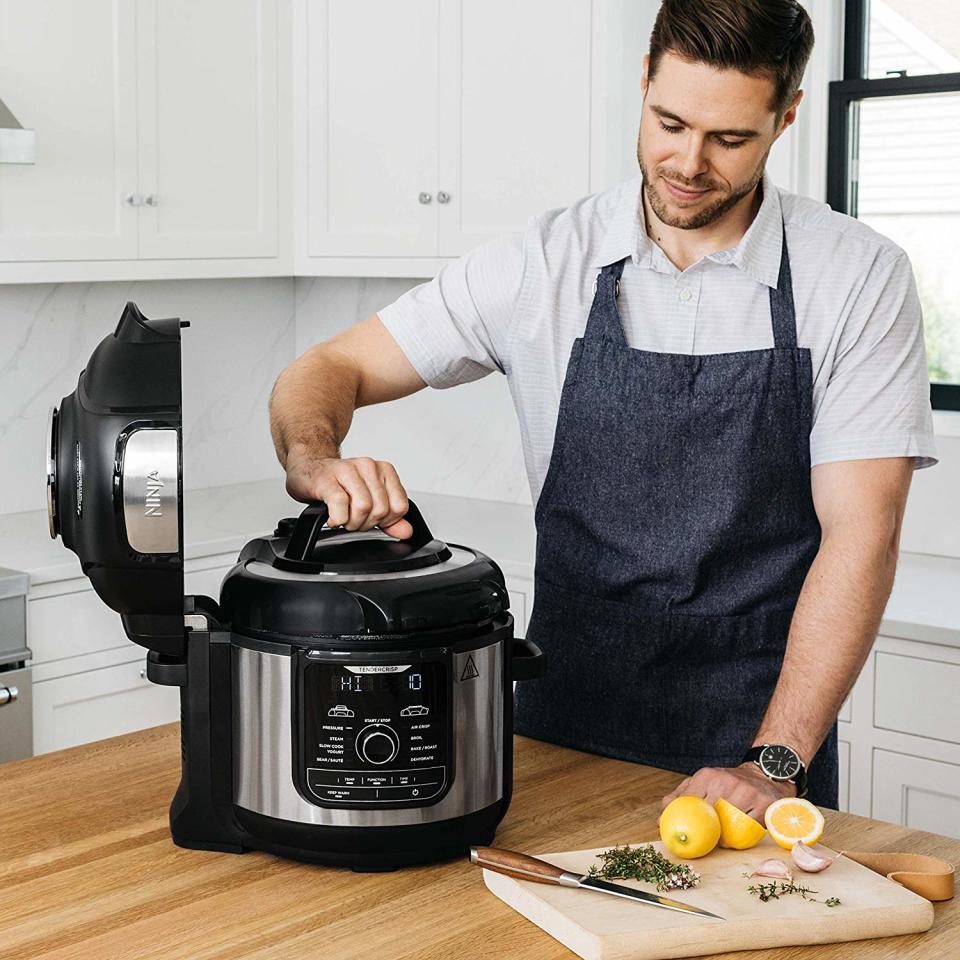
514, 134
68, 71
99, 703
371, 121
449, 124
917, 792
207, 111
89, 679
157, 134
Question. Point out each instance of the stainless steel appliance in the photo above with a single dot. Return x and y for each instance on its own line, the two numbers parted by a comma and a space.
349, 698
16, 701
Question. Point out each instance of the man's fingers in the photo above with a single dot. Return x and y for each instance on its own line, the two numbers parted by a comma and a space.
361, 500
380, 502
338, 506
399, 504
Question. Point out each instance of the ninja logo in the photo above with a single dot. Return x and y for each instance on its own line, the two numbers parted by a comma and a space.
151, 503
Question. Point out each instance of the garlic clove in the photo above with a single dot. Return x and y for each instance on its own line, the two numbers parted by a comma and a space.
810, 860
774, 868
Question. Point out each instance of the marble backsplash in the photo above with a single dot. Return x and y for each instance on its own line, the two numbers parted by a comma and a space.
462, 442
242, 334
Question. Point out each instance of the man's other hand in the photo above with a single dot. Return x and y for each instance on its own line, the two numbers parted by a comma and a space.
744, 786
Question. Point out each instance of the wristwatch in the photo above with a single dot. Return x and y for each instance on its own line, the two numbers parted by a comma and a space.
779, 762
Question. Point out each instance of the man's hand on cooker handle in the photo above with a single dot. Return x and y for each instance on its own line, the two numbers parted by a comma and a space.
359, 492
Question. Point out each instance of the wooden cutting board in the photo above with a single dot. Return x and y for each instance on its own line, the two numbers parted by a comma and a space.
597, 926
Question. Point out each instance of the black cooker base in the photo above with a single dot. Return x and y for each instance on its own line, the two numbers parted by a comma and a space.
370, 849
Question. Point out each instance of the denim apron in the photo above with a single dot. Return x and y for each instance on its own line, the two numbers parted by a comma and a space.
674, 531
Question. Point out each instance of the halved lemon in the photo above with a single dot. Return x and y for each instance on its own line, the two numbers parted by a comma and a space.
738, 830
791, 820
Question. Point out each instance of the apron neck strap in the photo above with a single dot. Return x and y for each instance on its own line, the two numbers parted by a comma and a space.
782, 312
604, 321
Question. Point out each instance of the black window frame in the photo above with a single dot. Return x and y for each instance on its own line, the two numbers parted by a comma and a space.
842, 139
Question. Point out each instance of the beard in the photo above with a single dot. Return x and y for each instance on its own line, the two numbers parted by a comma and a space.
702, 218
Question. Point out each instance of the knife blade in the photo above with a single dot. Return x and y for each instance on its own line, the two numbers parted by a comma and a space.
523, 867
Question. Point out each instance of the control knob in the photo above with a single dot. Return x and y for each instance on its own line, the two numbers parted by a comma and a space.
377, 743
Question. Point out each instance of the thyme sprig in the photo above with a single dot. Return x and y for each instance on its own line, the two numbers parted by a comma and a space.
644, 863
775, 890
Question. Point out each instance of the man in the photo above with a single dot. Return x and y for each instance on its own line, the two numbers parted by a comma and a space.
720, 483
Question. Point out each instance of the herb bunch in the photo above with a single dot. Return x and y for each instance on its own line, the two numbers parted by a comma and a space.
773, 891
644, 863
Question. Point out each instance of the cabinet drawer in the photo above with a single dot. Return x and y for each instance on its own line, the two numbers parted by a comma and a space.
72, 624
917, 695
916, 792
68, 711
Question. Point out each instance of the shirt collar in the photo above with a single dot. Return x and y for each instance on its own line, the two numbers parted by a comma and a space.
757, 254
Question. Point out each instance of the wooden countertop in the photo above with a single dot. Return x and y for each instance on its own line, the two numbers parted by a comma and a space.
88, 870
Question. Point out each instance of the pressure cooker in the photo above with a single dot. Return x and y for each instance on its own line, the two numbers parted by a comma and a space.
348, 698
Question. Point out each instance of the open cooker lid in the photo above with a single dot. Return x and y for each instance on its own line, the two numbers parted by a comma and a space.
114, 477
308, 581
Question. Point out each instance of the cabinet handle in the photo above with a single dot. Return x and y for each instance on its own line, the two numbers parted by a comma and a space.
425, 197
443, 197
143, 673
133, 200
8, 695
152, 200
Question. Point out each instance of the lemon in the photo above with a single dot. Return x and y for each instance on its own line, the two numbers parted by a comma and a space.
791, 820
738, 830
689, 827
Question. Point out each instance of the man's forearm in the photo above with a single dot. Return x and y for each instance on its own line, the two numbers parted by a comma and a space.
833, 628
312, 404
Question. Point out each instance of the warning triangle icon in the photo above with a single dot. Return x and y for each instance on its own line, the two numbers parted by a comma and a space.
470, 670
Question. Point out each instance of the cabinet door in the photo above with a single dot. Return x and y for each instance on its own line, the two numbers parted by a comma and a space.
68, 711
371, 122
916, 792
67, 71
515, 114
208, 102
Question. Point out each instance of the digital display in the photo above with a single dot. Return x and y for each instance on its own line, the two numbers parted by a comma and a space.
394, 683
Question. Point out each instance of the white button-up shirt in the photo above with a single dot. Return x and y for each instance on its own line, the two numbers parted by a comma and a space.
517, 303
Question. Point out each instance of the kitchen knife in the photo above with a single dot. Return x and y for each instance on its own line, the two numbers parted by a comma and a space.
519, 865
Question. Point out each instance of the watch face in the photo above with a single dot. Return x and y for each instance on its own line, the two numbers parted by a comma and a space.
779, 762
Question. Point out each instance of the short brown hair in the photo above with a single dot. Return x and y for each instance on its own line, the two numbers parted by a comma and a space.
772, 38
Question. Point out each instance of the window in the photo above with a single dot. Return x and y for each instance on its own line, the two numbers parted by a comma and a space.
893, 156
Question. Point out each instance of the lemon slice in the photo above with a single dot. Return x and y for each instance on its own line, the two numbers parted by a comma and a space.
738, 830
791, 820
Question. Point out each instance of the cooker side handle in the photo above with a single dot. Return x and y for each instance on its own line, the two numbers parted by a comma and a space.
527, 660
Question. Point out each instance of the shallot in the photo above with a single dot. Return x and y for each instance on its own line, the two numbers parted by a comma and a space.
808, 859
774, 868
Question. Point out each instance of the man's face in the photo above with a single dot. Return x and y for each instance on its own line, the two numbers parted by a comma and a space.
705, 130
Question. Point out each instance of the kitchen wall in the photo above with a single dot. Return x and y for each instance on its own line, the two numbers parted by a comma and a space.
242, 335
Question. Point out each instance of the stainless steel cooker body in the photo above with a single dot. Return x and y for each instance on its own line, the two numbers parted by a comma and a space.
429, 768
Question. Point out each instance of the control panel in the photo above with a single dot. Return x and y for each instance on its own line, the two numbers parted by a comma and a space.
374, 734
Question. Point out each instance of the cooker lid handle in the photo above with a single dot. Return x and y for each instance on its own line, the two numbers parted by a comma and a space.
312, 518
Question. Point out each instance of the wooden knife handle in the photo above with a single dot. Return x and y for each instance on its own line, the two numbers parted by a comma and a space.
519, 865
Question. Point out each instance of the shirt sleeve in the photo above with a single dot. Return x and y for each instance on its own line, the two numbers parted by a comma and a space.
454, 328
877, 399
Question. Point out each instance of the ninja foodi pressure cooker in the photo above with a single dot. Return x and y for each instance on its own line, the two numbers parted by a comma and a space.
349, 698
